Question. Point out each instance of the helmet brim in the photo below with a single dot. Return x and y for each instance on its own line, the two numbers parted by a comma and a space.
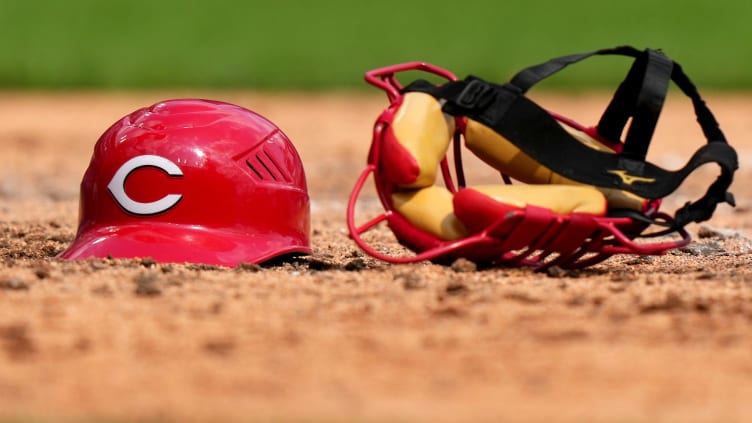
172, 243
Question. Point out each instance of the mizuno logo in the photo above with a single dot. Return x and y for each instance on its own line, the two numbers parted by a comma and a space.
628, 179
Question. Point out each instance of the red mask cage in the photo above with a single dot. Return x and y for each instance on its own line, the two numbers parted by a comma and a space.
531, 237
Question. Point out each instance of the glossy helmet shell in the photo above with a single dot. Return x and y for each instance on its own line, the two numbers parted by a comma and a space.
194, 181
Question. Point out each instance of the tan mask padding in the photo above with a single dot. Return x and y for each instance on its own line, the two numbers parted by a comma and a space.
431, 210
500, 153
424, 131
561, 199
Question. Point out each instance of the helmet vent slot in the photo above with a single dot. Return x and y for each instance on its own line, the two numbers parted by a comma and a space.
265, 168
254, 170
268, 165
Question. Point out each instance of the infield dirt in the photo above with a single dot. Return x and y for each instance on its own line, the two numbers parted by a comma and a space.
342, 337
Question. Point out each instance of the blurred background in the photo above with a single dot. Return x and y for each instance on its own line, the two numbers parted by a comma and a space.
329, 44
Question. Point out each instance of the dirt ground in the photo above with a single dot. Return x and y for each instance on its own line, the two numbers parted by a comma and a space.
340, 336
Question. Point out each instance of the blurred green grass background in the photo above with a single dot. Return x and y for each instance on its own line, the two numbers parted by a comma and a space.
329, 44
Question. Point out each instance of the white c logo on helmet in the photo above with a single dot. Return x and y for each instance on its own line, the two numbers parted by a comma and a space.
117, 185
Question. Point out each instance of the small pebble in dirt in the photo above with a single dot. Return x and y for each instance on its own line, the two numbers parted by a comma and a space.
722, 233
216, 308
672, 301
410, 281
456, 288
146, 285
148, 262
707, 276
99, 265
558, 272
42, 271
623, 276
221, 347
355, 264
103, 291
450, 312
14, 284
82, 345
202, 266
248, 267
463, 265
555, 272
702, 305
617, 287
318, 263
16, 341
712, 248
640, 260
521, 296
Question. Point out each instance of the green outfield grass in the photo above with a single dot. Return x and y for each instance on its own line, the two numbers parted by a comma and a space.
330, 43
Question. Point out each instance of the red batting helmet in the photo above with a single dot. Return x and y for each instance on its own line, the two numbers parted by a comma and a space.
193, 181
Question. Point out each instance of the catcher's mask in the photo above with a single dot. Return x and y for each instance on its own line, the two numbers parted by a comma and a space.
196, 181
587, 194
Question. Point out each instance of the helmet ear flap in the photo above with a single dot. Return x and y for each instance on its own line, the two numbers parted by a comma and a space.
415, 141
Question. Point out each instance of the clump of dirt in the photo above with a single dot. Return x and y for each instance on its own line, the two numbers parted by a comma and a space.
16, 341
